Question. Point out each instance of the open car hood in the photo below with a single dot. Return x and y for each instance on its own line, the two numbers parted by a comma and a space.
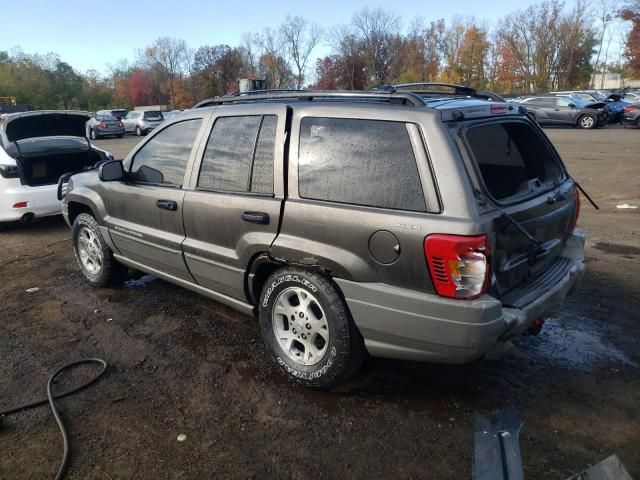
43, 123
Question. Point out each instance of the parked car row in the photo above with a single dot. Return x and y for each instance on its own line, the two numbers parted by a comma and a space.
582, 108
118, 122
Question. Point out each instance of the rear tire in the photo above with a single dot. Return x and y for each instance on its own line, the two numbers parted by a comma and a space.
138, 131
93, 135
587, 122
307, 326
93, 255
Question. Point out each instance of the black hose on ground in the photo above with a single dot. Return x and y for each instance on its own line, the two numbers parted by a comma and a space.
51, 398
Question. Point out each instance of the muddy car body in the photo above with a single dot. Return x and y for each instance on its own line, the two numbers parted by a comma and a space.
36, 148
431, 229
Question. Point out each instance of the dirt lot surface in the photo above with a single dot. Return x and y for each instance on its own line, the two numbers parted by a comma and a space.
182, 364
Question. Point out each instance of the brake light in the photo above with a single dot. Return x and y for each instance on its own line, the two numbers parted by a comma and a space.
577, 212
21, 205
498, 108
458, 264
101, 125
631, 109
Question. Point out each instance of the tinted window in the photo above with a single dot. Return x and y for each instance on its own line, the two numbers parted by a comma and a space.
510, 155
543, 101
164, 158
239, 155
363, 162
153, 115
262, 178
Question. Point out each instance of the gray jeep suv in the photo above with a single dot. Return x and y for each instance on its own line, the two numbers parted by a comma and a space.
431, 227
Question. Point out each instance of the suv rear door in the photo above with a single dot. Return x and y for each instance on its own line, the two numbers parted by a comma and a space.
145, 212
232, 207
521, 173
360, 191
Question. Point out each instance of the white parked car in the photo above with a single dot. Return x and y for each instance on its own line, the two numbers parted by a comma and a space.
36, 149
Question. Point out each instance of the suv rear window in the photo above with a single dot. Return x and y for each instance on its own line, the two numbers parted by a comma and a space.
153, 115
361, 162
511, 156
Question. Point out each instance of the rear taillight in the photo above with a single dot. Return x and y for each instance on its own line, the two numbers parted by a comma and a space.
458, 264
101, 125
9, 171
577, 212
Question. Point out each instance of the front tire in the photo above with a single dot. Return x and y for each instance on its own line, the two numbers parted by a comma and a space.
587, 122
307, 326
92, 253
138, 131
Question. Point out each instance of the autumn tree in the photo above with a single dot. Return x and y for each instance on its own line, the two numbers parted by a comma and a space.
170, 58
378, 32
631, 13
300, 39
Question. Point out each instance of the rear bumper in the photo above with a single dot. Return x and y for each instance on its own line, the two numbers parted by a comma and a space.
109, 131
405, 324
41, 202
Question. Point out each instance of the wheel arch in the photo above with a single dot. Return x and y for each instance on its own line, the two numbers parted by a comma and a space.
76, 208
263, 265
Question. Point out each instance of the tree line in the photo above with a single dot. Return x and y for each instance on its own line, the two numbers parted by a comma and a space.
546, 46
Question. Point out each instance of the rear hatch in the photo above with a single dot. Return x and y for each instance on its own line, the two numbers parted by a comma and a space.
46, 123
521, 174
108, 122
153, 117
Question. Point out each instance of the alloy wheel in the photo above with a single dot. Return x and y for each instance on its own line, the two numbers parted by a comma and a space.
300, 326
90, 251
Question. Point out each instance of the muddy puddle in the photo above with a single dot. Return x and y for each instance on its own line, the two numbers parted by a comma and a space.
575, 341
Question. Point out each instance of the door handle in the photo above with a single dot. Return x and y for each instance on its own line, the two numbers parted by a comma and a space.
167, 205
261, 218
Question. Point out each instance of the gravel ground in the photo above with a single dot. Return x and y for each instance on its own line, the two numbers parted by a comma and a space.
183, 364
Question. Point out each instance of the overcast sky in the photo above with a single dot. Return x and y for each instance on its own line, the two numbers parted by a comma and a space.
92, 34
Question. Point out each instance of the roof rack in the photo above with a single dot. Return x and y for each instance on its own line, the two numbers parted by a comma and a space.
438, 88
396, 98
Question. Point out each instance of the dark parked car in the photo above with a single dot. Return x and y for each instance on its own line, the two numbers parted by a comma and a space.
614, 102
631, 115
105, 125
554, 110
433, 229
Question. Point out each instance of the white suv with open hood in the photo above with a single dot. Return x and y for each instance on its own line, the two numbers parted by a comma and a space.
36, 149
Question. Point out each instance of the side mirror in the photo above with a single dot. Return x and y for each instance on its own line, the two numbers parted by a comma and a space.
111, 171
572, 105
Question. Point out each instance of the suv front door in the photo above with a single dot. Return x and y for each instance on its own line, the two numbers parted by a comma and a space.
145, 211
563, 113
232, 208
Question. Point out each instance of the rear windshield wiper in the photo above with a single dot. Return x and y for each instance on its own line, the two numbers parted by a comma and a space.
513, 221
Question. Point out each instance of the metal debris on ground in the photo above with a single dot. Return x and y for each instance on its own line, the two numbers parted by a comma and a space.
610, 468
497, 446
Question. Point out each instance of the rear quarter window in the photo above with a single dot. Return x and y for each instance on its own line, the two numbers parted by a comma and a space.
361, 162
509, 156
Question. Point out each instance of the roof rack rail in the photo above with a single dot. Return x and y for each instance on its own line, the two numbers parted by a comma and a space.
436, 89
398, 98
